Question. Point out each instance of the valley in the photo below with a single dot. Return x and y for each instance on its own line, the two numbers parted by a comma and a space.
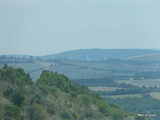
122, 81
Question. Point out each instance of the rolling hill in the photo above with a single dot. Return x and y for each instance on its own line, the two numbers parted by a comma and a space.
94, 54
100, 54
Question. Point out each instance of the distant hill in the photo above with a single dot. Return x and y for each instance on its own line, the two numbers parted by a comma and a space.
101, 54
93, 54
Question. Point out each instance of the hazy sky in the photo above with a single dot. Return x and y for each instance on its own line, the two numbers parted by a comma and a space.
42, 27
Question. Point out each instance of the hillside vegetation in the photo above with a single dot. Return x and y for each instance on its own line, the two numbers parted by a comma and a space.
136, 97
52, 97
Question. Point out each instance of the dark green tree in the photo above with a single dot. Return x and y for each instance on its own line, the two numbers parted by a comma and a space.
18, 97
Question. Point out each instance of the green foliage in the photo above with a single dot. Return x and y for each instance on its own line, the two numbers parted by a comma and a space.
51, 109
7, 93
103, 106
54, 79
36, 112
75, 115
53, 96
11, 111
86, 99
36, 98
118, 114
18, 97
144, 105
65, 115
44, 89
15, 76
89, 114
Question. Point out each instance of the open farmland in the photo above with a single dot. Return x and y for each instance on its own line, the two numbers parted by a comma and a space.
100, 88
155, 95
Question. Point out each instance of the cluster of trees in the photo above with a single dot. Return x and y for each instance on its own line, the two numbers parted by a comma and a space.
15, 76
95, 81
6, 60
132, 90
103, 81
52, 96
147, 75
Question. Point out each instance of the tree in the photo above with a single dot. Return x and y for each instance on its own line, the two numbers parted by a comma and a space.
15, 76
18, 97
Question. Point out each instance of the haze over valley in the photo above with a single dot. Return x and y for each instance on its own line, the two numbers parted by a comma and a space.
79, 60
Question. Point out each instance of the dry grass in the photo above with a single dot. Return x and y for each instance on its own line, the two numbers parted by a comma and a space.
100, 88
155, 95
124, 96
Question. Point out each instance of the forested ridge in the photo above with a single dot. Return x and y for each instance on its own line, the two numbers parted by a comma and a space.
52, 97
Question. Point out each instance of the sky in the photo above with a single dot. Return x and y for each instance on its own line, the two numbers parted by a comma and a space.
43, 27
